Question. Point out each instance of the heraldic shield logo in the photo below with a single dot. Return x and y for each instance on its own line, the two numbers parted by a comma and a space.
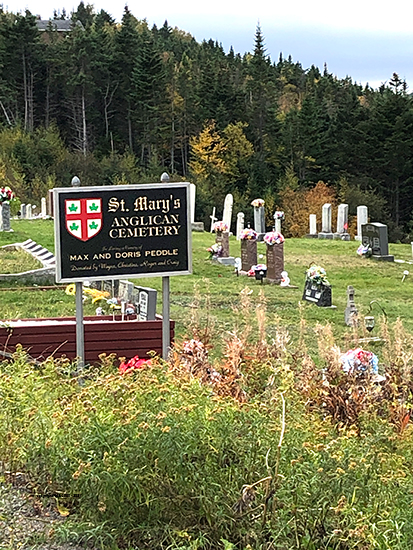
83, 217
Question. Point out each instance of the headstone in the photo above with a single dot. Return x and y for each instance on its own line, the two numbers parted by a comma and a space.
125, 292
29, 212
23, 211
318, 294
213, 219
44, 211
275, 262
50, 203
192, 194
375, 236
227, 216
342, 223
5, 214
240, 224
248, 254
362, 219
1, 217
277, 225
111, 286
222, 238
350, 313
313, 226
145, 300
259, 221
326, 223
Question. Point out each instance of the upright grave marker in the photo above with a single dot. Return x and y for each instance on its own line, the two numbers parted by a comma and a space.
313, 226
240, 224
43, 207
227, 215
326, 222
362, 219
259, 218
342, 223
116, 232
375, 236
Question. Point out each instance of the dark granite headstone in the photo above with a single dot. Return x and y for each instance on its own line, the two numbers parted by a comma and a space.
320, 295
275, 262
375, 236
222, 238
145, 299
248, 254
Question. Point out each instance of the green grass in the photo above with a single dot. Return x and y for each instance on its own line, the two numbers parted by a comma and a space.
17, 261
219, 288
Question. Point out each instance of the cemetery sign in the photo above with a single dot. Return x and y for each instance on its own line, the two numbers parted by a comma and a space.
113, 232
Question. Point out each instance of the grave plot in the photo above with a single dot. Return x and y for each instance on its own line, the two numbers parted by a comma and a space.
39, 267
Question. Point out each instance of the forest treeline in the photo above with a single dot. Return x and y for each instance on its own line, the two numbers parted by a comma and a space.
122, 102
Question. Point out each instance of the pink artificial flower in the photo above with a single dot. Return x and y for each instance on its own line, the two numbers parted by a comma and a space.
133, 364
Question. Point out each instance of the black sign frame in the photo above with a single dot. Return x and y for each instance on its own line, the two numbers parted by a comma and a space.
137, 231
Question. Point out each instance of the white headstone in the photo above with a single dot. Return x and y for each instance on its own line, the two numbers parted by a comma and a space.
326, 218
277, 225
313, 224
192, 194
240, 224
226, 218
342, 218
29, 211
362, 219
44, 210
259, 219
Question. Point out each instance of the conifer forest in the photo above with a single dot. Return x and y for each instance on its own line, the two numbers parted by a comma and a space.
122, 102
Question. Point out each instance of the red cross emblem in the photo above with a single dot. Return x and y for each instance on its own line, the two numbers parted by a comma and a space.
83, 217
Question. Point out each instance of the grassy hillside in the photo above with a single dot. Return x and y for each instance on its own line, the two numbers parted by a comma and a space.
212, 292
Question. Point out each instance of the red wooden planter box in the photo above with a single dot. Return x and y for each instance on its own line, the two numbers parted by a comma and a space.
57, 336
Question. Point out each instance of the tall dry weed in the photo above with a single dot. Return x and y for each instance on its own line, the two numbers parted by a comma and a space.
397, 400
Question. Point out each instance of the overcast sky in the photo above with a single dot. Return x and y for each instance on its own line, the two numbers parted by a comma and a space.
367, 41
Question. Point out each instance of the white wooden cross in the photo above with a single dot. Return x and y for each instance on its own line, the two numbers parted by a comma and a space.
213, 219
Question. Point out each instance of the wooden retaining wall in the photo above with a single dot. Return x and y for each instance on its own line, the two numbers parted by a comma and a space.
57, 336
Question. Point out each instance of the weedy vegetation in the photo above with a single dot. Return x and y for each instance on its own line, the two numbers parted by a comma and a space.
251, 437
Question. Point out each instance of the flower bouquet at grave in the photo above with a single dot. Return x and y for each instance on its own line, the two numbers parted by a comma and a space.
317, 275
256, 203
278, 215
248, 234
360, 360
256, 269
6, 194
93, 293
273, 237
220, 227
364, 251
215, 251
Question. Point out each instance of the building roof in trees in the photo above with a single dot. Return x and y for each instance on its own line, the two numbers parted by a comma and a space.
58, 25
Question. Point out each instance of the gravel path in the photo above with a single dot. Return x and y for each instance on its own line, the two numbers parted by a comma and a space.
26, 523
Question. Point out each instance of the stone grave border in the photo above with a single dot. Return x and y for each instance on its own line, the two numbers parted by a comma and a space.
45, 274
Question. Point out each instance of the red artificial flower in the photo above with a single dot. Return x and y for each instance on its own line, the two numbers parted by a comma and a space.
133, 364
